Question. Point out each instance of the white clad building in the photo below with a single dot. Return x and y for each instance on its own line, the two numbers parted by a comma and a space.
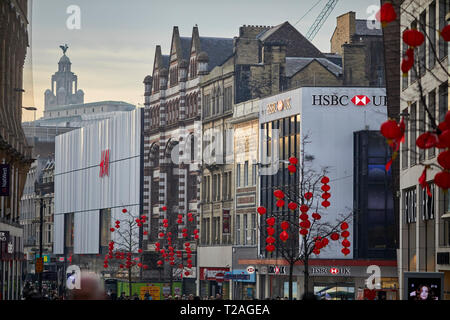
86, 202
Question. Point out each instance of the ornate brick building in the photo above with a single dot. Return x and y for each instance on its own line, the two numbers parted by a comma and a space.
172, 101
15, 154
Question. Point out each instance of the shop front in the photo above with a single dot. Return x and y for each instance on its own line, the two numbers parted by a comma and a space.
243, 284
213, 282
330, 279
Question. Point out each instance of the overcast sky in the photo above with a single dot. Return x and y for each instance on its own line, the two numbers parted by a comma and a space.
113, 50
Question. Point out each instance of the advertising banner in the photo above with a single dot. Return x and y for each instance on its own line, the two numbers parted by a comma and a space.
4, 179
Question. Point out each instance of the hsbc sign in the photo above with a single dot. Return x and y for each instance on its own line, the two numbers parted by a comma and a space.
335, 271
359, 100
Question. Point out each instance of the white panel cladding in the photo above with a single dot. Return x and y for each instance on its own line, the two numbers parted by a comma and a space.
58, 236
86, 226
78, 186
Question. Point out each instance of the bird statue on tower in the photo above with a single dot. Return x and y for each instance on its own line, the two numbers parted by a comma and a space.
64, 48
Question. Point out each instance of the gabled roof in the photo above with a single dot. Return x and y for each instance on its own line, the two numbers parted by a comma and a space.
295, 64
297, 44
218, 50
185, 47
361, 28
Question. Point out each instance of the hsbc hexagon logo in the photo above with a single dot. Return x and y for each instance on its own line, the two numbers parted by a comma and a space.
360, 100
334, 270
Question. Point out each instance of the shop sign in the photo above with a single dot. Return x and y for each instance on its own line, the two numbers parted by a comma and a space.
211, 273
337, 271
4, 236
251, 269
359, 100
226, 222
276, 270
278, 106
10, 247
4, 180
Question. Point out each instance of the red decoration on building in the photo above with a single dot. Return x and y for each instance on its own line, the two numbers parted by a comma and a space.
413, 37
104, 163
386, 14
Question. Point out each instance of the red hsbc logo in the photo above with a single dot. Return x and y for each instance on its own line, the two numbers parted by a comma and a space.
334, 270
104, 164
360, 100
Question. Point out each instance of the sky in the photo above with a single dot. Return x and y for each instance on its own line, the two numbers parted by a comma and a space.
113, 50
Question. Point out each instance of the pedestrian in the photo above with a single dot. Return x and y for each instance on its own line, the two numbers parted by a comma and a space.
122, 296
147, 296
136, 297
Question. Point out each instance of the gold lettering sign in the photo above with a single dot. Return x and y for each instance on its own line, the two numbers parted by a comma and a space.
280, 105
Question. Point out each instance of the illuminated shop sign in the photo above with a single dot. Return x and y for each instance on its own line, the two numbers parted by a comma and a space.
359, 100
276, 270
278, 106
338, 271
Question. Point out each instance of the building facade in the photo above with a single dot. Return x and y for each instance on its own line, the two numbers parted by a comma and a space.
424, 220
91, 189
351, 128
172, 120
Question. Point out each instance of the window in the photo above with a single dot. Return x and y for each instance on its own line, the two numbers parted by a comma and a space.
431, 34
214, 187
192, 187
205, 190
443, 101
227, 99
49, 234
253, 229
422, 48
206, 105
409, 198
246, 173
229, 185
245, 230
238, 229
105, 225
432, 108
238, 175
422, 117
414, 70
208, 189
254, 174
443, 9
69, 229
225, 186
444, 223
413, 134
214, 231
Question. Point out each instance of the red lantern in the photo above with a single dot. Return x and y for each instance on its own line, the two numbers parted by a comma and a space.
284, 225
160, 262
270, 248
345, 234
325, 179
196, 236
304, 208
187, 244
164, 208
325, 242
117, 222
292, 169
284, 236
442, 180
304, 216
278, 194
308, 195
292, 205
444, 139
161, 235
293, 160
121, 266
140, 265
124, 210
145, 233
386, 14
191, 219
140, 250
427, 140
345, 251
180, 216
444, 159
413, 37
390, 130
270, 231
280, 203
111, 229
270, 221
145, 266
189, 265
165, 221
316, 216
325, 204
445, 33
316, 251
325, 188
195, 231
346, 243
326, 195
270, 240
344, 225
186, 273
303, 232
261, 210
305, 224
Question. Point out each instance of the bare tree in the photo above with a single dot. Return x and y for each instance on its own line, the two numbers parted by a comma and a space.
301, 237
